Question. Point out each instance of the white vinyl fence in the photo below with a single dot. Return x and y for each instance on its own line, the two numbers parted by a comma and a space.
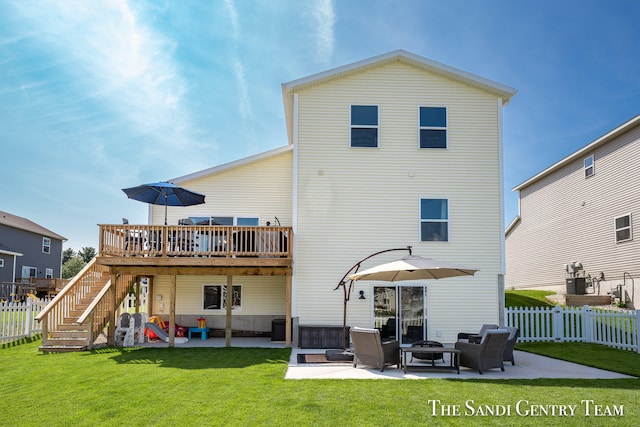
17, 319
618, 329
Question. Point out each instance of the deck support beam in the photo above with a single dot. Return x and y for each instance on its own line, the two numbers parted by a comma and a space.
228, 326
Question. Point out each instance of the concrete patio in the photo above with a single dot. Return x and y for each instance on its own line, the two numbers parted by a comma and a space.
528, 365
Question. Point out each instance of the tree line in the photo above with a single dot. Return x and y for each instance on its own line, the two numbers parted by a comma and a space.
73, 262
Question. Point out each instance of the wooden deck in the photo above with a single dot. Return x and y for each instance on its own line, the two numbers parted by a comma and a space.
196, 249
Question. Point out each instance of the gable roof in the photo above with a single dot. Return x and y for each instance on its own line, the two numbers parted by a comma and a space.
606, 138
231, 165
434, 67
24, 224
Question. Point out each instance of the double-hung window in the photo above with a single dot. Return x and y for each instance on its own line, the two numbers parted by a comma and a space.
46, 245
364, 126
623, 228
433, 127
589, 166
434, 220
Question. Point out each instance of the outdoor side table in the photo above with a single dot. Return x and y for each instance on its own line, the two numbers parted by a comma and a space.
204, 331
454, 358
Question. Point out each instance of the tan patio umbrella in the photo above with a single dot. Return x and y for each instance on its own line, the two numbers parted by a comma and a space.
412, 267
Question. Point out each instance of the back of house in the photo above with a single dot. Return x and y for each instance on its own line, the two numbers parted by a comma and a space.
389, 152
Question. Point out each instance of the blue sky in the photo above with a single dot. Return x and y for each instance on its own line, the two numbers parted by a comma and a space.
100, 95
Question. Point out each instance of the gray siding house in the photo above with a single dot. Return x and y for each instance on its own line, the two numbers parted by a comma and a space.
582, 209
28, 250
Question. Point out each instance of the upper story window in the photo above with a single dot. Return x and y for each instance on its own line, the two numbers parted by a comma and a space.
434, 220
1, 262
433, 127
221, 220
46, 245
624, 231
364, 126
589, 166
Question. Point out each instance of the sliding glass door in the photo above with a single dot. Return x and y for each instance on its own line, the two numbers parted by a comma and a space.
399, 312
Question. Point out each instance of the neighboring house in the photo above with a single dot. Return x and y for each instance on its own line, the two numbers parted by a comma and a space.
581, 209
387, 152
28, 250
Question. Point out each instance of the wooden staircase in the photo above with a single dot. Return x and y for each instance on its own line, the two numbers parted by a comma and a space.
75, 318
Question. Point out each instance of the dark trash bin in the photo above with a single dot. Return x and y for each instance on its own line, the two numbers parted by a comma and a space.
278, 330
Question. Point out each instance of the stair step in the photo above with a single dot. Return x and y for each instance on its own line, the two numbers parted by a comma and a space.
72, 327
66, 342
61, 349
70, 334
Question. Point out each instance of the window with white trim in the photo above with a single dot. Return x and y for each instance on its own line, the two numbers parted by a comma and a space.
623, 228
1, 262
224, 220
589, 166
48, 273
434, 220
215, 297
46, 245
364, 126
433, 127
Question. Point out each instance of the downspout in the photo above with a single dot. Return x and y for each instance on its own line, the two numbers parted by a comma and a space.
500, 278
294, 225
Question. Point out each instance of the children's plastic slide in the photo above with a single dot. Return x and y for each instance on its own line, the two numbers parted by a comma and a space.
160, 333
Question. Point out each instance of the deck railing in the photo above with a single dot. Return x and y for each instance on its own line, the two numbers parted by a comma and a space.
194, 241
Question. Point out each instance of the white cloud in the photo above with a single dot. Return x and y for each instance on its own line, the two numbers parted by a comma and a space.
118, 60
238, 67
325, 19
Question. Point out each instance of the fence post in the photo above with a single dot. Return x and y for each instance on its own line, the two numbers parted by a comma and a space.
27, 320
558, 324
636, 331
587, 332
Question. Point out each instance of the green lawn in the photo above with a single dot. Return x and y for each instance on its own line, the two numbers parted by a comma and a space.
246, 387
527, 298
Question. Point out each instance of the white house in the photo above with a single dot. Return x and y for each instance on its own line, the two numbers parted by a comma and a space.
389, 152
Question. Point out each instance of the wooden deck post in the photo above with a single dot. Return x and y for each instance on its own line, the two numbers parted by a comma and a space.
172, 312
111, 331
227, 329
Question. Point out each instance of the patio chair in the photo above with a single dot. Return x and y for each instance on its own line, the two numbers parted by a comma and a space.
464, 336
486, 355
369, 349
511, 342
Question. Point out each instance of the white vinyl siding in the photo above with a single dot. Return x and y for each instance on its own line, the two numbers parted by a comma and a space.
260, 189
261, 295
352, 203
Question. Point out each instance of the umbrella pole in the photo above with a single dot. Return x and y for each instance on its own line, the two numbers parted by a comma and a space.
166, 202
347, 291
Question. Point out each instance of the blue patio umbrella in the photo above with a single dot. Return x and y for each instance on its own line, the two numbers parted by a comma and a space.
164, 193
